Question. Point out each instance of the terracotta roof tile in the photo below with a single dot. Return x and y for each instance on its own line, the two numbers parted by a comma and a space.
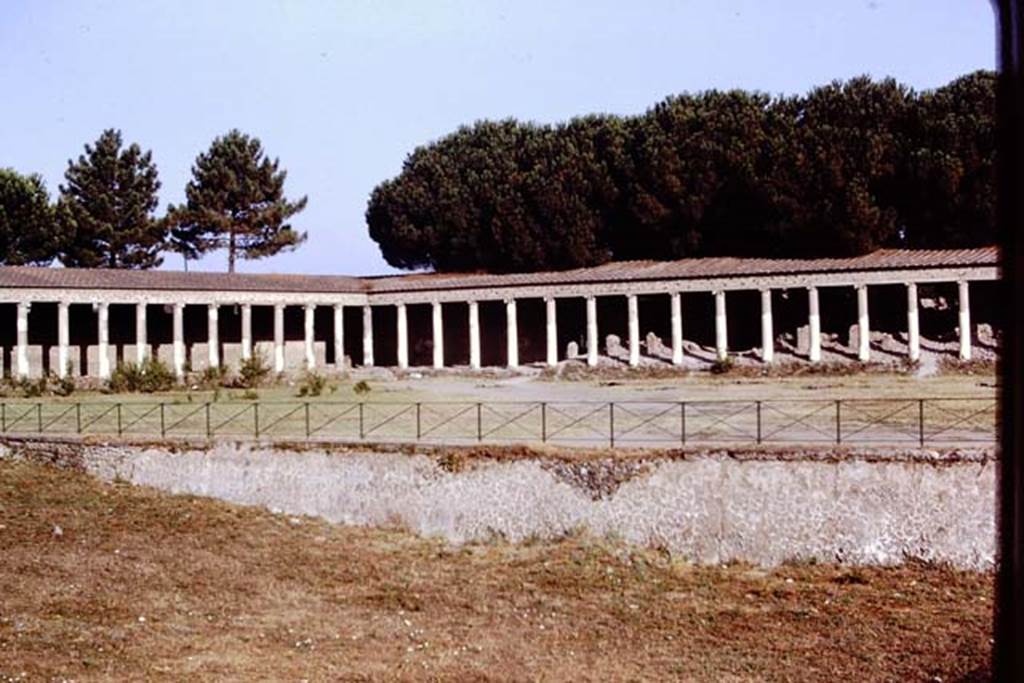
83, 278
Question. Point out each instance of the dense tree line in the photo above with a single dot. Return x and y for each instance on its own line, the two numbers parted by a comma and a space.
845, 169
105, 213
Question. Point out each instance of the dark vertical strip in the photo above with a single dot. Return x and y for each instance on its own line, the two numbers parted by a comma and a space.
1008, 655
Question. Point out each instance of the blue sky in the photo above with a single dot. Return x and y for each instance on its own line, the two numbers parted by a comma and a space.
342, 91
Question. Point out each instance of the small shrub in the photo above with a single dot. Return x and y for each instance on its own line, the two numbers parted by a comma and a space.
30, 388
212, 376
66, 385
250, 395
361, 387
253, 371
312, 384
150, 376
722, 366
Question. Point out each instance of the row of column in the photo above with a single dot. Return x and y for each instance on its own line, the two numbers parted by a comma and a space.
512, 333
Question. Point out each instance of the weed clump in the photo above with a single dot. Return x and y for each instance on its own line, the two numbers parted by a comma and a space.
312, 384
150, 376
722, 366
253, 371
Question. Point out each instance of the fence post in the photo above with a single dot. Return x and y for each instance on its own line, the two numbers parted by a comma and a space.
611, 425
39, 417
306, 412
163, 421
543, 422
920, 422
362, 429
120, 429
209, 432
682, 423
78, 418
839, 422
3, 417
418, 423
479, 422
256, 419
758, 403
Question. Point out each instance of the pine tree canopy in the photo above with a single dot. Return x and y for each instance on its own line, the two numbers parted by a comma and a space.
27, 232
845, 169
105, 210
235, 201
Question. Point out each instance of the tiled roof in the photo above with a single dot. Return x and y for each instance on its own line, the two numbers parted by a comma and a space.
887, 259
695, 268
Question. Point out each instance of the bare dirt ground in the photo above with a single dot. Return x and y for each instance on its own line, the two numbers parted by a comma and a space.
111, 582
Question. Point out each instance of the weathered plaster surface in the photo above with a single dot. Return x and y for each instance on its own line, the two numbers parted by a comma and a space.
709, 508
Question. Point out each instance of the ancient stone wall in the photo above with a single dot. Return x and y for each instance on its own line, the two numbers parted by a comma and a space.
759, 506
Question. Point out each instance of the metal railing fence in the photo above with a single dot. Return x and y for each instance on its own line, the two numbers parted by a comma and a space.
888, 421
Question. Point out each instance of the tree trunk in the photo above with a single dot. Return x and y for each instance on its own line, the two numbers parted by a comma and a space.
231, 252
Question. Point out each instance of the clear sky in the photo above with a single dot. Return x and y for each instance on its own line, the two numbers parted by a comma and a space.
341, 91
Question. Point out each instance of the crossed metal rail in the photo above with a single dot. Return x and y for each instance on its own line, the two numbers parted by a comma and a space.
920, 421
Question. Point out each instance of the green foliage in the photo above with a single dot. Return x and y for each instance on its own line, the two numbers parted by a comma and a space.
45, 385
105, 211
722, 366
63, 386
312, 384
27, 231
235, 201
847, 168
361, 387
253, 371
213, 376
152, 375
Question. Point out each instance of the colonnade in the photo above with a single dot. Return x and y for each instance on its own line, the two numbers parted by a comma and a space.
551, 356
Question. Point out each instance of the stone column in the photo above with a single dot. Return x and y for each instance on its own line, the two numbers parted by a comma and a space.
308, 331
21, 369
551, 327
141, 338
767, 327
676, 304
721, 327
246, 331
863, 325
403, 337
634, 330
339, 337
511, 333
213, 335
368, 336
814, 324
178, 325
913, 327
63, 339
591, 331
474, 335
965, 319
437, 327
278, 337
103, 338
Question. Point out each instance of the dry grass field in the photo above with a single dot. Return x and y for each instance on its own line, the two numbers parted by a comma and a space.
111, 582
